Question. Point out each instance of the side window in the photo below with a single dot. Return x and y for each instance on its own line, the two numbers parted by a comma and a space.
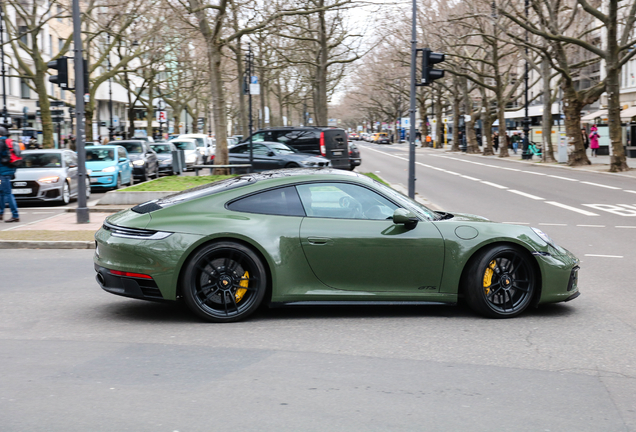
260, 149
262, 136
68, 159
121, 153
242, 149
344, 201
282, 202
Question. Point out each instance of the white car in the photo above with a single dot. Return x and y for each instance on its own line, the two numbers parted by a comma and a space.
204, 143
193, 155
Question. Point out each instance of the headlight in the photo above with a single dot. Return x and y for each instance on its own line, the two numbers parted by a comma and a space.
109, 169
308, 163
138, 162
546, 238
48, 180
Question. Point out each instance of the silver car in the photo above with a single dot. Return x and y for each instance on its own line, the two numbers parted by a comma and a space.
48, 175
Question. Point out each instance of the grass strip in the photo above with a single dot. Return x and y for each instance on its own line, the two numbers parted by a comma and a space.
376, 178
174, 183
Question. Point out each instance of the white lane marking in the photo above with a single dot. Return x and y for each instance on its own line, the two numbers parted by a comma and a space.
615, 209
600, 185
494, 185
604, 256
625, 226
552, 224
562, 178
574, 209
592, 226
630, 191
471, 178
535, 173
48, 212
517, 223
510, 169
527, 195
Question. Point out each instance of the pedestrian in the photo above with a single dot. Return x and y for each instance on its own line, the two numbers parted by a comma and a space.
515, 142
7, 173
495, 141
586, 139
594, 140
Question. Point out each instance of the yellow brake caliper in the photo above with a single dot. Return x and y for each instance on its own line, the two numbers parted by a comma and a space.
488, 276
244, 284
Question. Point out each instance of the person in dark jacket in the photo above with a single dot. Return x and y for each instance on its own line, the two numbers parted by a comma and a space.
7, 173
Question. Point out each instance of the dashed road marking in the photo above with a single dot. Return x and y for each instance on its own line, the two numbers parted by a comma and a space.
562, 178
574, 209
604, 256
592, 226
630, 191
600, 185
552, 224
535, 173
471, 178
517, 223
494, 185
527, 195
633, 227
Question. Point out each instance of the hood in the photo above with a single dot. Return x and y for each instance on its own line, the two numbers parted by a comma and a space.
468, 217
164, 156
135, 156
38, 173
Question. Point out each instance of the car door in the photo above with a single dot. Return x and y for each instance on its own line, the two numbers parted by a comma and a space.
351, 242
151, 159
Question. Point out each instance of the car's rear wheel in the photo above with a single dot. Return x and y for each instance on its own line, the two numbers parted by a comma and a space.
224, 282
292, 165
500, 282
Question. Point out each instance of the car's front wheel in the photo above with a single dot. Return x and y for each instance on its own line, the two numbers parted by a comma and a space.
88, 188
65, 198
500, 282
224, 282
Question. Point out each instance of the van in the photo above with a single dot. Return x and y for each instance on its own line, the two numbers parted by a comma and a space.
329, 142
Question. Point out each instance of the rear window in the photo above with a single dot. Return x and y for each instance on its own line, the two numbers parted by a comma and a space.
194, 193
132, 147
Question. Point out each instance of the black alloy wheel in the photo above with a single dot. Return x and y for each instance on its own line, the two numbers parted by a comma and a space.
500, 282
224, 282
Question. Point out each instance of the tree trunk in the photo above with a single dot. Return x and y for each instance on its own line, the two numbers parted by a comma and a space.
471, 136
45, 111
546, 120
320, 107
439, 141
456, 114
501, 111
218, 108
617, 160
150, 109
572, 111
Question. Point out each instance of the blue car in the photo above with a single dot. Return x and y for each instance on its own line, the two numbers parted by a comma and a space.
109, 165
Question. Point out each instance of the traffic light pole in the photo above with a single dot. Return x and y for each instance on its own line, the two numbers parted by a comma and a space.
412, 107
82, 213
5, 115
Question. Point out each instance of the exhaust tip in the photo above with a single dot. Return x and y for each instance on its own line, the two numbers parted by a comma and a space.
100, 279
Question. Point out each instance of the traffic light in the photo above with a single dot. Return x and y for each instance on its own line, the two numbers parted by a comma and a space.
61, 65
429, 59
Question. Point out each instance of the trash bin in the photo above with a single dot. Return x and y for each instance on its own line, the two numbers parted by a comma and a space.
178, 161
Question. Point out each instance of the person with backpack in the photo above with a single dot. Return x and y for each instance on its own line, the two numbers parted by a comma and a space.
9, 160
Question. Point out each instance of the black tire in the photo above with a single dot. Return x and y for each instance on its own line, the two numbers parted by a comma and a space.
144, 176
292, 165
500, 282
118, 184
224, 282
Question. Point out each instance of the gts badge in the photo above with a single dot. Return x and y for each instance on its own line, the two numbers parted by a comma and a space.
427, 288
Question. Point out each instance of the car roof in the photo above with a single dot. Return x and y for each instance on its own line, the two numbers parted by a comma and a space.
182, 139
45, 151
106, 146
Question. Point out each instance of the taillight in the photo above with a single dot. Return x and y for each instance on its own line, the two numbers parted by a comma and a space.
129, 274
212, 157
323, 149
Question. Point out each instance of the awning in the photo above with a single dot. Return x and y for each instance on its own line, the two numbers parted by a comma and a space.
593, 116
628, 113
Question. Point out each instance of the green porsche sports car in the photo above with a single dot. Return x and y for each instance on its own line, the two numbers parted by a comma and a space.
323, 236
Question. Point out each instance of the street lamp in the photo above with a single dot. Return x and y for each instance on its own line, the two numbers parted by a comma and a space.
111, 128
526, 120
5, 115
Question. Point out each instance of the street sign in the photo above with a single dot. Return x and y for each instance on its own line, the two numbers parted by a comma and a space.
162, 116
115, 121
255, 87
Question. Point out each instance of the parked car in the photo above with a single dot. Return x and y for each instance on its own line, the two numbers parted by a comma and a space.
204, 143
274, 155
47, 175
148, 139
354, 156
353, 136
164, 155
381, 138
144, 159
322, 141
191, 153
323, 236
109, 166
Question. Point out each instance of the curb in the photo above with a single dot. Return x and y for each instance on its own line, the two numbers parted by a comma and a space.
35, 244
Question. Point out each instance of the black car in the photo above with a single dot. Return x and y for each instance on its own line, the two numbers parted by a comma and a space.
329, 142
164, 155
354, 156
144, 159
273, 155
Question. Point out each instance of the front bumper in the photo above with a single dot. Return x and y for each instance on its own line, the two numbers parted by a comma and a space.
105, 180
32, 190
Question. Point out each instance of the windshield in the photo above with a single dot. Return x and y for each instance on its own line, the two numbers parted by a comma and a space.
42, 160
184, 145
132, 147
281, 149
407, 203
161, 149
100, 155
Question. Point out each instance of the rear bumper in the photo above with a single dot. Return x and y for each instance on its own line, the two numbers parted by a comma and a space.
144, 289
355, 161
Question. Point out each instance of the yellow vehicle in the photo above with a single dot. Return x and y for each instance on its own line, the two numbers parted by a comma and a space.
380, 138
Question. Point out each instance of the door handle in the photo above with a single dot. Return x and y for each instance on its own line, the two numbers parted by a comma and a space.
319, 240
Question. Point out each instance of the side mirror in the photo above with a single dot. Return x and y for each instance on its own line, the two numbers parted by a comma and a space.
404, 217
122, 159
271, 153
